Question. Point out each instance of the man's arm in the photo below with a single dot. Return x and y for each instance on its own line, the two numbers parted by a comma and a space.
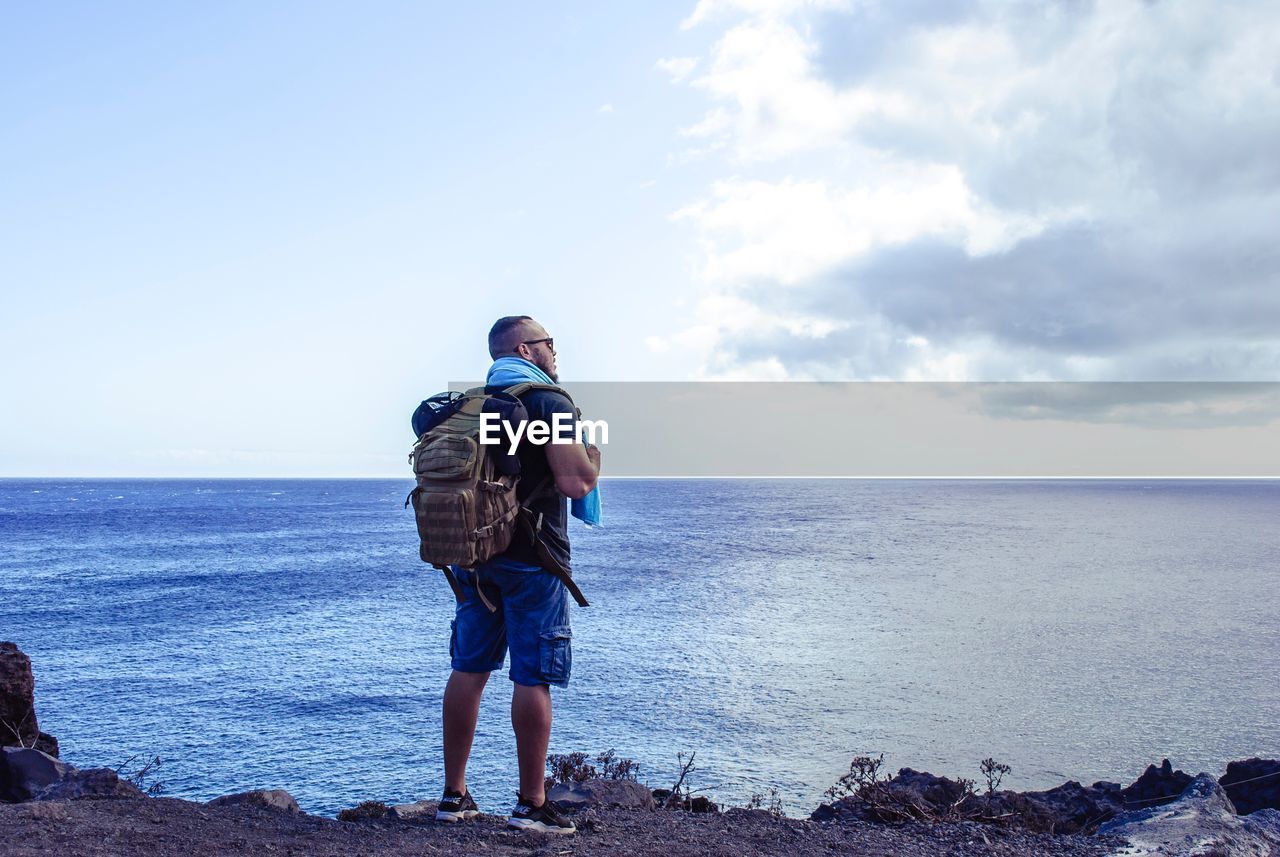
575, 467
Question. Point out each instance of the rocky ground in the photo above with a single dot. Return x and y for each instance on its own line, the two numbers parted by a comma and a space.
164, 826
50, 807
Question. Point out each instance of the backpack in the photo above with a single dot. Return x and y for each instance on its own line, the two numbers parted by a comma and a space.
465, 501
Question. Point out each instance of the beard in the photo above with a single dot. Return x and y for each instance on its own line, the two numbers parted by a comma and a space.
546, 366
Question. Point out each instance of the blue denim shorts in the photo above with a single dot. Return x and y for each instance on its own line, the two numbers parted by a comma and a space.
532, 620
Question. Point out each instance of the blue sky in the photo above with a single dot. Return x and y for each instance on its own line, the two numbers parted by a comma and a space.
246, 239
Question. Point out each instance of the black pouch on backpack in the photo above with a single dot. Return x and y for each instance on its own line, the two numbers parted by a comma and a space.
434, 411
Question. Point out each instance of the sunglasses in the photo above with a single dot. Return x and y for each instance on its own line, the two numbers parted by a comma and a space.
551, 342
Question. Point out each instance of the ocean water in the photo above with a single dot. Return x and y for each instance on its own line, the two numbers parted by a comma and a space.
284, 634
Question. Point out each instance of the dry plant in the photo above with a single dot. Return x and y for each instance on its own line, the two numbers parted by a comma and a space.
893, 802
994, 772
16, 731
138, 778
773, 806
678, 798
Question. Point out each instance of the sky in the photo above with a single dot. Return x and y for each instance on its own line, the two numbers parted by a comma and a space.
244, 239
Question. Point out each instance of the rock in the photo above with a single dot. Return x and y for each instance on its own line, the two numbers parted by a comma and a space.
43, 811
924, 788
1261, 792
620, 793
1264, 824
92, 783
1156, 786
1200, 821
369, 810
32, 775
18, 725
846, 809
25, 772
914, 791
413, 811
1068, 808
936, 791
277, 799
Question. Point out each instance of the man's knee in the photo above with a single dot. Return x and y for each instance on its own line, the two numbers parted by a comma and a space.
469, 678
466, 685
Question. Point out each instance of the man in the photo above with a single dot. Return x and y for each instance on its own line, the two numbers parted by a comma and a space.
532, 616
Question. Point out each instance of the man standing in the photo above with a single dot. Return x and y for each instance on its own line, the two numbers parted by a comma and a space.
532, 606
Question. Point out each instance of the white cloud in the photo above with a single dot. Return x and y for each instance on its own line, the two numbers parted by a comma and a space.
677, 68
604, 108
773, 103
790, 231
720, 315
1028, 189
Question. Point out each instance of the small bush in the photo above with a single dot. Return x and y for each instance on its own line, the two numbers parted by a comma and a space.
864, 774
613, 768
568, 768
574, 768
370, 809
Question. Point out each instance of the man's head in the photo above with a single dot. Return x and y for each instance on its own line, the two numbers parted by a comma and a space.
521, 336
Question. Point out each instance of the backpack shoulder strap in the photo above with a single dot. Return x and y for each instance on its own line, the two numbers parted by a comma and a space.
529, 386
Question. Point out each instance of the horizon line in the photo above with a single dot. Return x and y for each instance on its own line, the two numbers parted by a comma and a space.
985, 478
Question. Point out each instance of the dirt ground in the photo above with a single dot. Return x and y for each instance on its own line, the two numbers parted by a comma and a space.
166, 826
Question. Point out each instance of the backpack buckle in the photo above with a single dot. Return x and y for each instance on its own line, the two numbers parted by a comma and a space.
483, 532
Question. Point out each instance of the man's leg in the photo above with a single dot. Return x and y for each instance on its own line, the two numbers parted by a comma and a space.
461, 710
531, 720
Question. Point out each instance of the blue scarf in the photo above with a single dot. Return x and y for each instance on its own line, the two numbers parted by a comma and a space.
507, 371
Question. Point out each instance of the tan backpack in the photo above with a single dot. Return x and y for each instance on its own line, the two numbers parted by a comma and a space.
464, 502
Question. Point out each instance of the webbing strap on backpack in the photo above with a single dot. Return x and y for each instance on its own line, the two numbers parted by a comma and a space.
457, 588
453, 583
533, 528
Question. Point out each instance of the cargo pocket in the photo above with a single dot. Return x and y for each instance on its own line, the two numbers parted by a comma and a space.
557, 654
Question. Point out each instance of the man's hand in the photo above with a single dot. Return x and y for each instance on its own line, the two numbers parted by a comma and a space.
593, 455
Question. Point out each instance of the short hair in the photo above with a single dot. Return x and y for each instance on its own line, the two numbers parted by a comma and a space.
502, 336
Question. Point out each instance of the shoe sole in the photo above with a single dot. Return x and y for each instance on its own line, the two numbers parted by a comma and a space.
539, 827
455, 817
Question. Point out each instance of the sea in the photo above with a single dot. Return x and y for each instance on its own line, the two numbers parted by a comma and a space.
284, 633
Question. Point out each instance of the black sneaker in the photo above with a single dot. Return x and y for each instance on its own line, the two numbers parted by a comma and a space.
543, 819
456, 807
